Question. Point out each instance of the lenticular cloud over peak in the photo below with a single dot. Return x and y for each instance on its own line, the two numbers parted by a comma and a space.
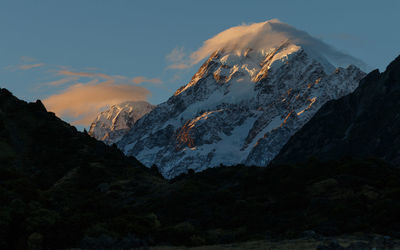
267, 35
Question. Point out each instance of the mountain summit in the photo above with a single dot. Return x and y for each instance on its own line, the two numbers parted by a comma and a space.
268, 35
261, 85
110, 125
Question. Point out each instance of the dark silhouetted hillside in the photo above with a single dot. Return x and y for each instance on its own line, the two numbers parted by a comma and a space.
60, 188
365, 123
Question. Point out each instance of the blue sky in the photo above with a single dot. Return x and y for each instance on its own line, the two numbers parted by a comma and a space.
44, 42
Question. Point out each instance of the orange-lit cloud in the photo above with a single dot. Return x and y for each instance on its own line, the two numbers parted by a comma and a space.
84, 74
30, 66
141, 79
84, 121
61, 81
180, 66
82, 102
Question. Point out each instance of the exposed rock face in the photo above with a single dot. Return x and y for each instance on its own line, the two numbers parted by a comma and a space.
112, 124
365, 123
238, 108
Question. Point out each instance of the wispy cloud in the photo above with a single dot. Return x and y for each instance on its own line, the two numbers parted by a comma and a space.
61, 81
30, 66
84, 74
72, 75
25, 63
178, 59
180, 66
27, 59
141, 79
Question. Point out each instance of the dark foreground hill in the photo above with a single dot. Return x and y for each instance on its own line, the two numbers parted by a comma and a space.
363, 124
52, 178
60, 188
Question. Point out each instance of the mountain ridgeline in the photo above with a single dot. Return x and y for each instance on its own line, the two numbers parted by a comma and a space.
365, 123
60, 188
52, 177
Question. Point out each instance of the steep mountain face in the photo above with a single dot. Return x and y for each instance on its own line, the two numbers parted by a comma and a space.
365, 123
241, 106
112, 124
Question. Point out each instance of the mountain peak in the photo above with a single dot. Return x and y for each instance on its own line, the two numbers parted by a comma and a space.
265, 37
111, 124
248, 52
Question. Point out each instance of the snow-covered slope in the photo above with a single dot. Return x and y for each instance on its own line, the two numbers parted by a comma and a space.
110, 125
241, 106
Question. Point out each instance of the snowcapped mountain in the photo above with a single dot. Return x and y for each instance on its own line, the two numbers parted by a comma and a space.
112, 124
244, 103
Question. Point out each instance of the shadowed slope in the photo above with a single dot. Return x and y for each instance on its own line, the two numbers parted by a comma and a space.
362, 124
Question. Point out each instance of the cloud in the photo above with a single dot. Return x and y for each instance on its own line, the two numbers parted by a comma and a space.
30, 66
181, 65
27, 59
84, 94
178, 59
26, 63
140, 79
258, 36
61, 81
136, 80
84, 74
176, 55
82, 102
70, 76
85, 121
